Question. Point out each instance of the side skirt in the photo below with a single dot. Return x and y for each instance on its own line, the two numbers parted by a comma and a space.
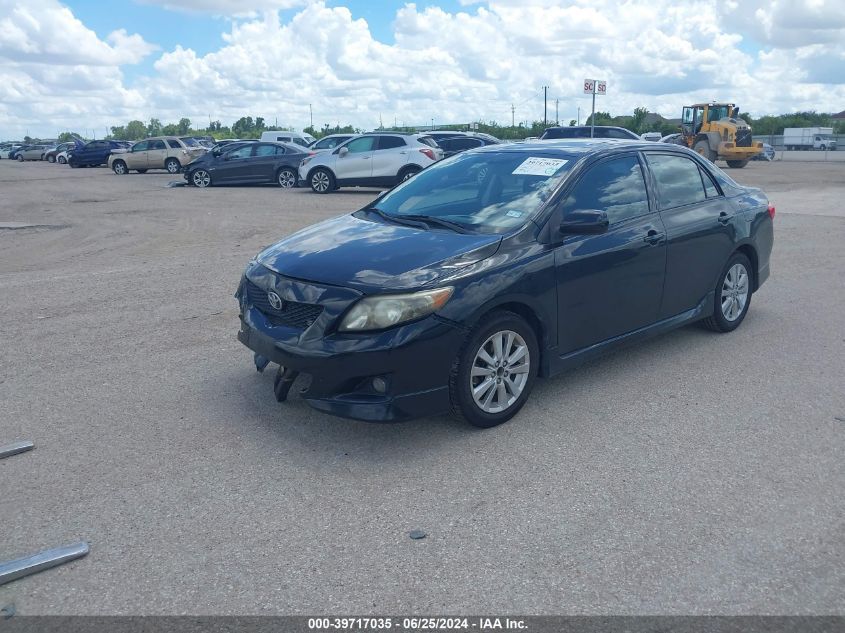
573, 359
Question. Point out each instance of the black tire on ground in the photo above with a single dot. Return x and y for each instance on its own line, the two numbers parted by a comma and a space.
201, 178
321, 180
462, 378
119, 167
20, 158
737, 164
702, 147
286, 178
172, 166
62, 160
407, 172
717, 321
51, 158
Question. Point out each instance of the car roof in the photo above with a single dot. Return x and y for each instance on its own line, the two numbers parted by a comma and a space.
578, 148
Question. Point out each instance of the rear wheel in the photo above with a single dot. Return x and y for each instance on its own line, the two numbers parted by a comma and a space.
407, 172
286, 178
201, 178
493, 374
119, 167
733, 295
702, 147
321, 181
172, 166
51, 158
20, 158
737, 164
62, 160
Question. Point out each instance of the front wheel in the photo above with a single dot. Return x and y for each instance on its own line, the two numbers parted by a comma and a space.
172, 166
733, 295
286, 178
201, 178
702, 147
737, 164
119, 167
20, 158
51, 159
321, 181
495, 371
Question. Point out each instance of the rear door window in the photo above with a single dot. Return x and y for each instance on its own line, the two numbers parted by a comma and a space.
174, 144
678, 180
390, 142
267, 150
157, 144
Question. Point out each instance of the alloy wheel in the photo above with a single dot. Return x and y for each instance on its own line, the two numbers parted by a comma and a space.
320, 181
201, 178
172, 166
500, 371
287, 179
734, 292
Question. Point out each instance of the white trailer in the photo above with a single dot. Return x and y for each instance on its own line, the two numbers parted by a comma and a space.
806, 138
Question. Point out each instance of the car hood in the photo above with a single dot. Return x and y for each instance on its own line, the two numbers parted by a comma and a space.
372, 255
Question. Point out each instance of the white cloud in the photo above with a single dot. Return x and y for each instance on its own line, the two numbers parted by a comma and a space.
225, 7
470, 64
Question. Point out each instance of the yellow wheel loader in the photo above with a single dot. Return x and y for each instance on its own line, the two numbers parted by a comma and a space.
715, 131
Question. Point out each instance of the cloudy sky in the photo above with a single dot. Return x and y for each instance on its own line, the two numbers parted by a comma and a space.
84, 65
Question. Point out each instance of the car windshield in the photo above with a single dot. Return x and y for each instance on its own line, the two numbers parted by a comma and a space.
190, 142
486, 192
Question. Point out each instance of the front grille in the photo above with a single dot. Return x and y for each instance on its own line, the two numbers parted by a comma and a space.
743, 138
293, 314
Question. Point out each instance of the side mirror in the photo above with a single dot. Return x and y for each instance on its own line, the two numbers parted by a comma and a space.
343, 151
584, 222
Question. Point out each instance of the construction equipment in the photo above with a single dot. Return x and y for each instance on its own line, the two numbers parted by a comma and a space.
715, 131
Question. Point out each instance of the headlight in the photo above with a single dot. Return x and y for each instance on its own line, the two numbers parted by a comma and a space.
376, 313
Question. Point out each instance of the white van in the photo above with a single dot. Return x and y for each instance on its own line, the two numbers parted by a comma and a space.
286, 136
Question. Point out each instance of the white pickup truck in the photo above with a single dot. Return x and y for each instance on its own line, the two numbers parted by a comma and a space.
820, 138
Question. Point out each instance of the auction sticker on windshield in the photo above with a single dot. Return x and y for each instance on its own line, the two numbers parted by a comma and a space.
536, 166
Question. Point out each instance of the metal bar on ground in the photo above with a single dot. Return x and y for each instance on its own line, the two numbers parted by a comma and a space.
16, 447
21, 567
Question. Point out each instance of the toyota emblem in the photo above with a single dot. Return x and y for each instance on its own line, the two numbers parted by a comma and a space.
275, 300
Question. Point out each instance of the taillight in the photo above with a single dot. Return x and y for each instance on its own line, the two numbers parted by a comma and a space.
428, 152
771, 211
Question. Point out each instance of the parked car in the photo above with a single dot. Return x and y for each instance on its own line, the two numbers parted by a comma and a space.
438, 135
768, 153
52, 153
452, 145
286, 136
674, 139
248, 163
92, 153
371, 160
159, 152
450, 294
651, 136
30, 152
583, 131
8, 148
330, 142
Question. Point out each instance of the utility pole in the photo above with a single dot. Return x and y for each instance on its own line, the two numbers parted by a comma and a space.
579, 115
513, 114
311, 113
432, 123
545, 112
557, 103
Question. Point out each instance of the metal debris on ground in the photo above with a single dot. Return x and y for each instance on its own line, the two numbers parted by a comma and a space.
417, 534
14, 569
15, 448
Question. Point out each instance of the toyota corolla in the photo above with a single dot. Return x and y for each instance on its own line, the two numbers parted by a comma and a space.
458, 288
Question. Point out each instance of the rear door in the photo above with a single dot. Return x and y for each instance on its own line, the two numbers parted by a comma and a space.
610, 284
263, 162
699, 231
156, 154
390, 155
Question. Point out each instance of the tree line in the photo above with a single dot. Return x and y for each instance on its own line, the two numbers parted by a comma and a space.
248, 127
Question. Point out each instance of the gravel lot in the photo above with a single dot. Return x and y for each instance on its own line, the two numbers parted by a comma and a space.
697, 473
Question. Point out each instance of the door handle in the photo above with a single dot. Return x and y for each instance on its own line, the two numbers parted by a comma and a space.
365, 158
724, 218
653, 237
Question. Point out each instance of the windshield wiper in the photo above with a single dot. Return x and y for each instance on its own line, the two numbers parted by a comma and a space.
395, 219
430, 219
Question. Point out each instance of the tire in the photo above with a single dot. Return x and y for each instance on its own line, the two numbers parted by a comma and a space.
407, 172
172, 166
20, 158
201, 178
119, 167
51, 158
470, 371
737, 164
321, 180
62, 160
286, 178
823, 148
729, 309
141, 171
702, 147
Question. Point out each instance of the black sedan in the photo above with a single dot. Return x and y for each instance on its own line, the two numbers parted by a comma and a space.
454, 293
248, 163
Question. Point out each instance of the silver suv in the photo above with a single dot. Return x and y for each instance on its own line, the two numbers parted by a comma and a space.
376, 159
